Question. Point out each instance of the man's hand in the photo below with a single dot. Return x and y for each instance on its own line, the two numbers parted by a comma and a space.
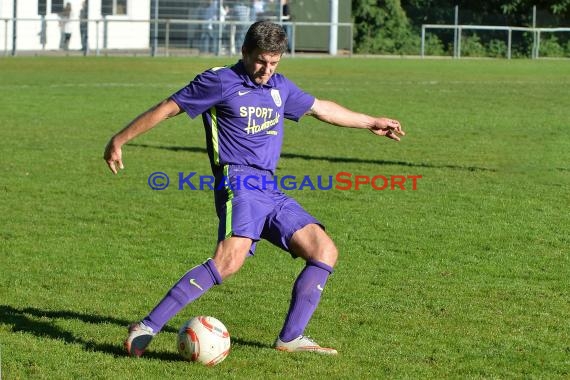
113, 156
387, 127
335, 114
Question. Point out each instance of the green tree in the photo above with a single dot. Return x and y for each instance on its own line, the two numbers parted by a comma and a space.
393, 26
382, 27
551, 13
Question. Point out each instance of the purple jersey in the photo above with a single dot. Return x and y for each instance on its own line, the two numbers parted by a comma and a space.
243, 120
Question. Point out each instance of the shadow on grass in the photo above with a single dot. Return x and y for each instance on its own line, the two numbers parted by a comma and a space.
331, 159
39, 322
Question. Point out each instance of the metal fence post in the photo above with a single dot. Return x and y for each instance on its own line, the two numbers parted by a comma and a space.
509, 43
459, 43
6, 37
167, 37
97, 27
155, 34
333, 28
105, 30
537, 44
534, 42
293, 31
455, 36
351, 39
14, 27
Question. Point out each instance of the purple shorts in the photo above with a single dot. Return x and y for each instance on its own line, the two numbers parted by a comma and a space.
248, 204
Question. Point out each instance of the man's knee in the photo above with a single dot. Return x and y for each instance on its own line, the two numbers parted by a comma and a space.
230, 255
313, 243
328, 253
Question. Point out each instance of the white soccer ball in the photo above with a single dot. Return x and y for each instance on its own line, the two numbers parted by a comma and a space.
204, 339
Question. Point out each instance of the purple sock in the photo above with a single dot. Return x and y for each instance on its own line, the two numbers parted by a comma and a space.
305, 298
191, 286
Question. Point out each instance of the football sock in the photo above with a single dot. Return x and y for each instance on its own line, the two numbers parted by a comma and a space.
191, 286
305, 298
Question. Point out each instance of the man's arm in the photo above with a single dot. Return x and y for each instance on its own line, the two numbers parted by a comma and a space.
144, 122
333, 113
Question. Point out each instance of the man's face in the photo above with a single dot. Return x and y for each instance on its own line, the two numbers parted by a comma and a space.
260, 65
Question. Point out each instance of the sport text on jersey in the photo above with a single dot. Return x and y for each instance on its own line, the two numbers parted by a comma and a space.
259, 118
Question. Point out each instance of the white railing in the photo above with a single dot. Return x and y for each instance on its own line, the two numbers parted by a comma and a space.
106, 35
509, 29
232, 47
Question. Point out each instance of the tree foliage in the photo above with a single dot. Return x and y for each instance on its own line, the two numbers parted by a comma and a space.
381, 27
393, 26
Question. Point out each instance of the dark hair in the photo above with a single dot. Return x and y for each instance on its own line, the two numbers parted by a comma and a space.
266, 36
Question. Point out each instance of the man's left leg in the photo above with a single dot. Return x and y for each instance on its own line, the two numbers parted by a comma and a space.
315, 246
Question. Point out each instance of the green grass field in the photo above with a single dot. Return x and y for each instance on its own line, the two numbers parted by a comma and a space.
465, 277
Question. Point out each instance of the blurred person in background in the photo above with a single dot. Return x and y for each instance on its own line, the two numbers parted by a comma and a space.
210, 29
83, 23
286, 17
65, 27
241, 13
257, 10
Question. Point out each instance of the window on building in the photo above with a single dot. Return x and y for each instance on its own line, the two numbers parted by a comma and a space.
56, 6
42, 7
114, 7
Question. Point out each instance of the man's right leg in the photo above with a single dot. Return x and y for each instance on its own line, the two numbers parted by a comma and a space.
228, 258
190, 287
315, 246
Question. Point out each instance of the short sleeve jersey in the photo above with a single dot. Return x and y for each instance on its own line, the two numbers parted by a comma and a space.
243, 120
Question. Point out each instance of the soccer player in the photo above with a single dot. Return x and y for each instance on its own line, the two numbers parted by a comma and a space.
243, 108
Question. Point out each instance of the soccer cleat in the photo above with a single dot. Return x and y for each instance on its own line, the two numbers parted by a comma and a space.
139, 338
303, 344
